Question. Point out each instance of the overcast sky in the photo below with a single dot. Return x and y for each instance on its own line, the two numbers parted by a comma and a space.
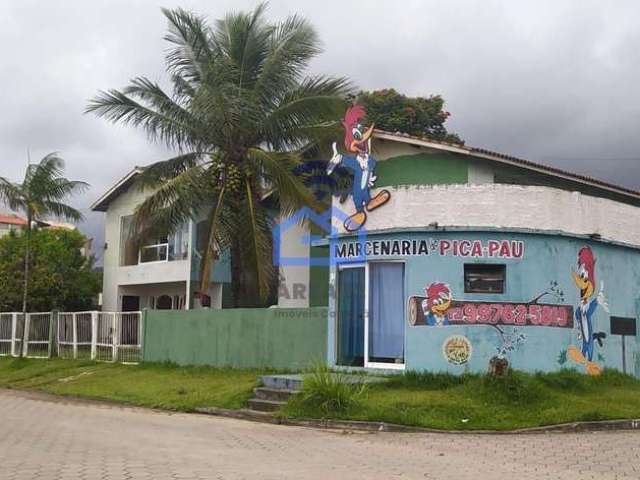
552, 81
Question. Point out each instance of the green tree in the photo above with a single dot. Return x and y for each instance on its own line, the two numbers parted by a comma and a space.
40, 195
420, 116
61, 277
240, 115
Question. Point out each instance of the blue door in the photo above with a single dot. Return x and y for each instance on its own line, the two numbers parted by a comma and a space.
351, 316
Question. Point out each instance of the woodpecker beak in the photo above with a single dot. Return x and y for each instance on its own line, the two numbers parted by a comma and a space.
585, 286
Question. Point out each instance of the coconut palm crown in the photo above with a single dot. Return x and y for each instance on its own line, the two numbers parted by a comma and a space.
239, 116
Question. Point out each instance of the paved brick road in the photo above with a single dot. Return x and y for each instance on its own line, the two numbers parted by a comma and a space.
41, 438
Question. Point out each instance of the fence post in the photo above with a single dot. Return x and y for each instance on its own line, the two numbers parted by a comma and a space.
94, 335
114, 337
25, 336
74, 327
14, 330
53, 317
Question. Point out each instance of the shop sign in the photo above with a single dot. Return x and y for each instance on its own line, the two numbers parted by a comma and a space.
466, 248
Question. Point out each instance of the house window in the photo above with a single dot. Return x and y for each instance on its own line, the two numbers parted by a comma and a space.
128, 245
484, 278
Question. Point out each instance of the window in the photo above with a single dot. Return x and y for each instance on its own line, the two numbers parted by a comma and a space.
484, 278
160, 249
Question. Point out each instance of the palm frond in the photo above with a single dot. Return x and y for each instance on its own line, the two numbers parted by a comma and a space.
60, 210
175, 202
278, 172
193, 48
293, 44
305, 112
12, 195
159, 172
174, 129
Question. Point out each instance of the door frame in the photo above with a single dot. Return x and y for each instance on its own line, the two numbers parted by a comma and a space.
367, 363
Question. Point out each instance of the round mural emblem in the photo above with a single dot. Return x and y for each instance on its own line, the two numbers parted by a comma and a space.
457, 349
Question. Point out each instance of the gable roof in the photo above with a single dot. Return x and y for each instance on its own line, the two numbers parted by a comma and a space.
509, 160
121, 186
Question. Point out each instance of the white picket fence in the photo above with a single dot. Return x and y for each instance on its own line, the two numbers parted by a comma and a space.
104, 336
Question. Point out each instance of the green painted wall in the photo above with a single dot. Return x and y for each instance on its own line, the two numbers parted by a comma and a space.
281, 338
422, 169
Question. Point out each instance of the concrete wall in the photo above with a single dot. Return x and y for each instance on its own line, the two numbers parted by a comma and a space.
505, 206
280, 338
545, 266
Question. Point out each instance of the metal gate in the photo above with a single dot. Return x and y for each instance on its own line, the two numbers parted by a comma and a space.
11, 332
105, 336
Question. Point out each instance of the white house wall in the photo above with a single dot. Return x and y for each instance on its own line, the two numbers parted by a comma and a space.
114, 274
505, 206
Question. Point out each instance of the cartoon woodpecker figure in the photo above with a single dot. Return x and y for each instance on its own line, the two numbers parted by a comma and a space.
437, 304
585, 280
357, 141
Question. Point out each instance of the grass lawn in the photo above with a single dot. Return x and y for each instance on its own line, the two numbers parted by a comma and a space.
149, 385
476, 402
440, 401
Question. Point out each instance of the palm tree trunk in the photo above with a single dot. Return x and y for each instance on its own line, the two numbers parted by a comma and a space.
27, 254
25, 288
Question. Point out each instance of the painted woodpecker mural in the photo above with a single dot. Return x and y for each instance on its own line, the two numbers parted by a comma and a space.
357, 141
436, 304
585, 279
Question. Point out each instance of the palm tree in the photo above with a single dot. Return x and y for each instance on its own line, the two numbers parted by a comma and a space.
240, 116
39, 196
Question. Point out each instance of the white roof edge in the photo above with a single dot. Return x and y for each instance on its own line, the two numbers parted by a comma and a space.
109, 193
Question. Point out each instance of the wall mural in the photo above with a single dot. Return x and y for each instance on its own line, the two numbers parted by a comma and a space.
439, 309
357, 141
585, 279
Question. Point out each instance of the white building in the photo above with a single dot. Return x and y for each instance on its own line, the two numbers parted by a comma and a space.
160, 275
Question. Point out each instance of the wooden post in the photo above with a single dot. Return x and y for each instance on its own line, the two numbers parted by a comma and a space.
94, 335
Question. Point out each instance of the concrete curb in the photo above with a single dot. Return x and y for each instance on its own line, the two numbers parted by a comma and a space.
327, 424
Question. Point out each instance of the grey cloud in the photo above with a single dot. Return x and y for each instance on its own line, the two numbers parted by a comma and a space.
551, 81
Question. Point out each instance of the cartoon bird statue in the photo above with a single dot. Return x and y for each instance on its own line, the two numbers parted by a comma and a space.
357, 141
436, 304
585, 279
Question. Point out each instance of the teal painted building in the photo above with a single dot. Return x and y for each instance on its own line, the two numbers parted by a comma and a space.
478, 255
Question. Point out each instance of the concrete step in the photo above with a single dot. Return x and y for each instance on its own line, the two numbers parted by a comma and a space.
282, 382
274, 394
260, 405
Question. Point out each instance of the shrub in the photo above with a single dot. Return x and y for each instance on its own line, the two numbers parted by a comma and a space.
329, 392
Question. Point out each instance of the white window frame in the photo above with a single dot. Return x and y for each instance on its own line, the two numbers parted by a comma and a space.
367, 363
155, 245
